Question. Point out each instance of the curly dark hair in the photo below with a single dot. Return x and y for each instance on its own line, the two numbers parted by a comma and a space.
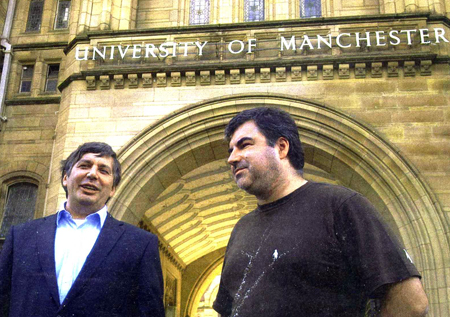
102, 149
273, 123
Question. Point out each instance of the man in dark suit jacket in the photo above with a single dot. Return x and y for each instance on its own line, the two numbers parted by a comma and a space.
81, 261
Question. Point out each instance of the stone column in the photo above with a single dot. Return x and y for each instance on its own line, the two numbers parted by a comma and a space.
105, 16
85, 14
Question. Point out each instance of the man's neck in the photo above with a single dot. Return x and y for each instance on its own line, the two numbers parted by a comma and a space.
80, 212
284, 187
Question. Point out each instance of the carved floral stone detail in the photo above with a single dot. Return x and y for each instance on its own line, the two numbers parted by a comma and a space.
219, 78
132, 81
311, 72
265, 75
104, 82
90, 82
147, 80
190, 78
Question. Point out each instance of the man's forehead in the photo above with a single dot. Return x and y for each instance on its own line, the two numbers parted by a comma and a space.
89, 156
247, 129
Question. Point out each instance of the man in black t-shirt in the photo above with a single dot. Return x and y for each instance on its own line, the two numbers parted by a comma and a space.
308, 249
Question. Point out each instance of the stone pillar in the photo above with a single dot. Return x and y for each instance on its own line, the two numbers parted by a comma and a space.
85, 14
105, 16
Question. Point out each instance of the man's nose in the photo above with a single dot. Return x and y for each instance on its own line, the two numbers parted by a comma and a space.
92, 172
233, 158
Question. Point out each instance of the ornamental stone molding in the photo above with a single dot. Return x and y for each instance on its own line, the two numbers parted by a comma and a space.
262, 75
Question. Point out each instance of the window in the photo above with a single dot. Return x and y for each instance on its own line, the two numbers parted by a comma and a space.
62, 14
51, 82
25, 80
310, 8
253, 10
35, 15
199, 12
20, 205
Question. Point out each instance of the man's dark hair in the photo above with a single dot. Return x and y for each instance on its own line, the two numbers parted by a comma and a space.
99, 148
273, 123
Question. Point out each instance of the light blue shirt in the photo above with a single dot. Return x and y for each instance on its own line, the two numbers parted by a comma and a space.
74, 240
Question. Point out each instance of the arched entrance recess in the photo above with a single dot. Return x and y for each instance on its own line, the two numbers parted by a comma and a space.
192, 137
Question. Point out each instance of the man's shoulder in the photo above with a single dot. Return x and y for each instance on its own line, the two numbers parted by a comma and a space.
331, 191
32, 224
132, 229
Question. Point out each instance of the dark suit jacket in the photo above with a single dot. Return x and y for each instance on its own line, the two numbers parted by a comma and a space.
121, 276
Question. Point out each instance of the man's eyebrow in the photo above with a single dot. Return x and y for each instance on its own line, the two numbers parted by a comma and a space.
239, 143
84, 161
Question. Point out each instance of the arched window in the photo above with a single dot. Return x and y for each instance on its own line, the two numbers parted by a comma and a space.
199, 12
253, 10
35, 15
310, 8
20, 205
62, 14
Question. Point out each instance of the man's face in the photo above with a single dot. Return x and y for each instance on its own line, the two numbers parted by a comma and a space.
255, 165
89, 184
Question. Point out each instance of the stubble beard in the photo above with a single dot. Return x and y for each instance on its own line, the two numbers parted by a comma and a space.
260, 183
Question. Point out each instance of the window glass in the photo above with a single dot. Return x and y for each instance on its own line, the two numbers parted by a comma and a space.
35, 15
199, 12
254, 10
62, 15
20, 205
26, 78
52, 77
310, 8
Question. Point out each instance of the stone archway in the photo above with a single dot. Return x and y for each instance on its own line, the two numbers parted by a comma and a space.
193, 137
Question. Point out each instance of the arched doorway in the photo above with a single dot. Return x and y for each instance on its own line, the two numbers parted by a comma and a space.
184, 154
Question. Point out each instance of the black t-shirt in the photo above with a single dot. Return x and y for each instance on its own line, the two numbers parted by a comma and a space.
319, 251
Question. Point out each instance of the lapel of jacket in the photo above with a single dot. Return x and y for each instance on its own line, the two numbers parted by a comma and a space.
45, 240
108, 237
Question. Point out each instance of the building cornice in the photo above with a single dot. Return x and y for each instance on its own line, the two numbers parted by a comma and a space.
33, 100
214, 28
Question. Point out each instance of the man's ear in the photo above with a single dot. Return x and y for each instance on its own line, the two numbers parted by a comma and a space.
283, 147
64, 180
112, 192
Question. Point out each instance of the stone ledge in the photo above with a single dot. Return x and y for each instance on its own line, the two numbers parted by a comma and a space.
245, 76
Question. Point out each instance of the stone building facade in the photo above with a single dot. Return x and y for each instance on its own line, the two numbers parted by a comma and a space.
367, 82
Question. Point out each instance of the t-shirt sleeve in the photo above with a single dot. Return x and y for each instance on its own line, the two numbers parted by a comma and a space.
223, 302
373, 251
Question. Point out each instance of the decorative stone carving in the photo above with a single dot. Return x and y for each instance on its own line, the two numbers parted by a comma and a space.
409, 69
250, 76
235, 76
90, 82
161, 80
393, 69
147, 80
280, 74
205, 78
425, 68
377, 70
328, 72
360, 70
265, 75
118, 81
104, 82
219, 78
132, 81
344, 71
175, 79
190, 78
296, 73
311, 72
